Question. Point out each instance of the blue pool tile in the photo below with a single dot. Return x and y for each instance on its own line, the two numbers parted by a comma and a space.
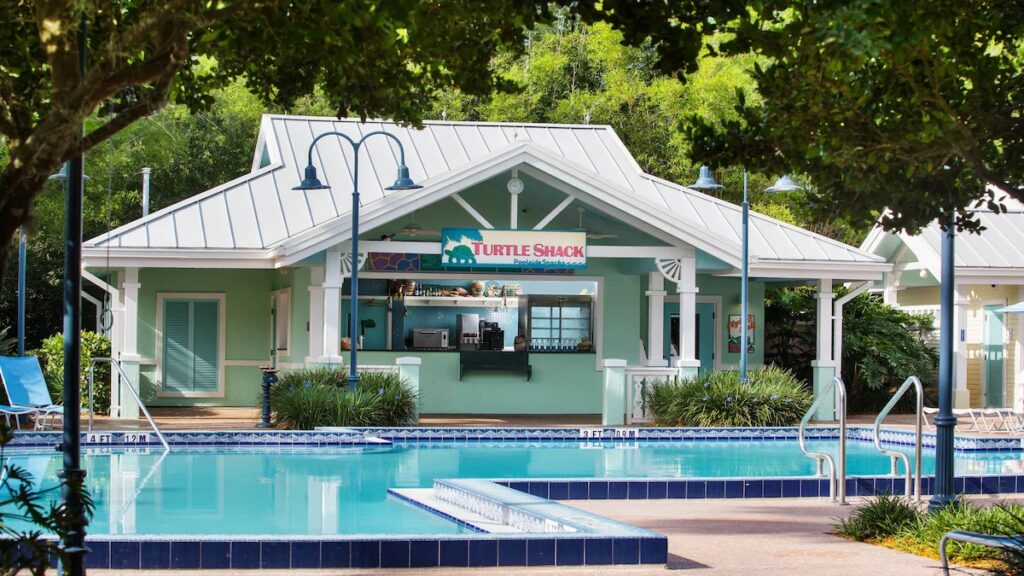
512, 553
865, 487
558, 490
569, 552
715, 489
617, 490
790, 488
184, 555
972, 485
654, 550
824, 487
1020, 483
394, 554
366, 554
753, 489
696, 489
124, 555
958, 485
304, 555
626, 551
579, 490
851, 487
773, 488
483, 553
598, 551
989, 485
215, 555
540, 553
155, 555
275, 555
927, 484
677, 489
598, 490
539, 489
245, 554
423, 554
1007, 485
454, 553
99, 555
734, 488
637, 490
885, 485
809, 488
335, 554
656, 490
521, 486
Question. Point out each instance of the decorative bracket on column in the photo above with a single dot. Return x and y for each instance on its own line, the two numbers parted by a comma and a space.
346, 263
671, 269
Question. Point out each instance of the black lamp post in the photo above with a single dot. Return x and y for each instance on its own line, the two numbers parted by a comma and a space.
311, 182
945, 422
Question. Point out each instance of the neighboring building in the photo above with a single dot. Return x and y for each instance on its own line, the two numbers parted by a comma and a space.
195, 283
989, 361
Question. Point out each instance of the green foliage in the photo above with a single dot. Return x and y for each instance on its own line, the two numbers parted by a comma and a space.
914, 106
51, 355
882, 517
28, 513
8, 344
882, 345
770, 397
310, 397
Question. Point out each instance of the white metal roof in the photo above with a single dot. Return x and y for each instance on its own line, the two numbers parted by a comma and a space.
259, 213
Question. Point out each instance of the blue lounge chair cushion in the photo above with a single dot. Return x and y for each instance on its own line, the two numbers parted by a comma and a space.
23, 380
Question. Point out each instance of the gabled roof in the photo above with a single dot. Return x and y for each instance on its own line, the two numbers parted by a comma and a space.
999, 248
259, 213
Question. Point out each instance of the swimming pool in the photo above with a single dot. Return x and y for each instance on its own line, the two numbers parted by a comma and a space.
343, 490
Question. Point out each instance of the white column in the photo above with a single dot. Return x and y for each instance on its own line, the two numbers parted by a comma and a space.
1018, 336
823, 366
656, 319
688, 362
116, 342
130, 350
332, 308
316, 314
890, 289
961, 396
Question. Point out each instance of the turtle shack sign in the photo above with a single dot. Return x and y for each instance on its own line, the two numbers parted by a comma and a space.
488, 248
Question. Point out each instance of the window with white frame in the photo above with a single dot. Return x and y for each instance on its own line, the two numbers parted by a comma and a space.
281, 307
191, 344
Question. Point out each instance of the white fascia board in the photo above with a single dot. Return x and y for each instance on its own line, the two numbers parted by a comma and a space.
174, 258
814, 270
923, 252
991, 275
267, 138
643, 252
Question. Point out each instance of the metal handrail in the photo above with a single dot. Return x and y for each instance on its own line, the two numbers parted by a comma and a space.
117, 366
915, 489
837, 474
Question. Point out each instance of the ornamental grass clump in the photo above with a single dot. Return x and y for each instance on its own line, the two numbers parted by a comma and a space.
310, 397
770, 397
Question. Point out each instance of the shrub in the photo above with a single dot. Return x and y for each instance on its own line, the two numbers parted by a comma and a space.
770, 397
883, 517
51, 356
8, 344
310, 397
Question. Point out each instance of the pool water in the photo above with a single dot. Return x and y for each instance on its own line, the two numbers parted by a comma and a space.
343, 490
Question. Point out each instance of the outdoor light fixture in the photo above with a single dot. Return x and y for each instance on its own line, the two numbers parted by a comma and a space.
706, 180
310, 181
784, 184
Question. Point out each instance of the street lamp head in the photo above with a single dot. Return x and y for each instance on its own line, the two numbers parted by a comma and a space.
311, 182
706, 180
62, 174
784, 184
403, 182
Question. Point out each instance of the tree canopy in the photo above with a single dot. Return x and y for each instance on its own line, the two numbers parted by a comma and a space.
914, 106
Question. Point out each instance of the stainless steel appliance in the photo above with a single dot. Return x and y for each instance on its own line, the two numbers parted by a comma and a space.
492, 337
468, 335
430, 339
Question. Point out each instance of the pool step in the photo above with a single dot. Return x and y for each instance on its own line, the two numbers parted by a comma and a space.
425, 498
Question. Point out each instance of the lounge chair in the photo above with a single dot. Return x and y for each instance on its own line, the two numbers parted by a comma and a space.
961, 414
26, 388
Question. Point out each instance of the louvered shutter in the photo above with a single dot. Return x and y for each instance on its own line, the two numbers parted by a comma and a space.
177, 346
204, 345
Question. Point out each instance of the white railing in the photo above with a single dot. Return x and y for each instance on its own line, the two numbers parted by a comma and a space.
913, 476
639, 380
129, 386
836, 473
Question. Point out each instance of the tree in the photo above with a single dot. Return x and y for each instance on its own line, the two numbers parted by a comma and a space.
914, 106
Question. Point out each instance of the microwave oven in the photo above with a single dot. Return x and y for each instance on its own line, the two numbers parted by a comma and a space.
430, 338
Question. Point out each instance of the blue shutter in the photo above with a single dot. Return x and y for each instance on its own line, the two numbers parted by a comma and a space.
177, 369
204, 345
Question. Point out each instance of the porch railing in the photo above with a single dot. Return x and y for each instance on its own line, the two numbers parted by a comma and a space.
639, 380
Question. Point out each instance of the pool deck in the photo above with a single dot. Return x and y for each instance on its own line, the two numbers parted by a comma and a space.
712, 537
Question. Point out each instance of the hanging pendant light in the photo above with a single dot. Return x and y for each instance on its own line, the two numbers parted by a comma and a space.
784, 184
706, 180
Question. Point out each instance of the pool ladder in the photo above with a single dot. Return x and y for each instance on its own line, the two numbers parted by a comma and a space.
895, 455
836, 473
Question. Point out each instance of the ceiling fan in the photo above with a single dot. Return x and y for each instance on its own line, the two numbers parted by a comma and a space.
412, 229
591, 235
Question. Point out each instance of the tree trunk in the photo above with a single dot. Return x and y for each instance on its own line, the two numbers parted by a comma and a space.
18, 187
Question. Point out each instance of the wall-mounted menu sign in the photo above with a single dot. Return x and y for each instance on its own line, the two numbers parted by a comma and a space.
472, 247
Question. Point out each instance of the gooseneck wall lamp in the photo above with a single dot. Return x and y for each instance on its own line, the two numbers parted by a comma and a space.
311, 181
